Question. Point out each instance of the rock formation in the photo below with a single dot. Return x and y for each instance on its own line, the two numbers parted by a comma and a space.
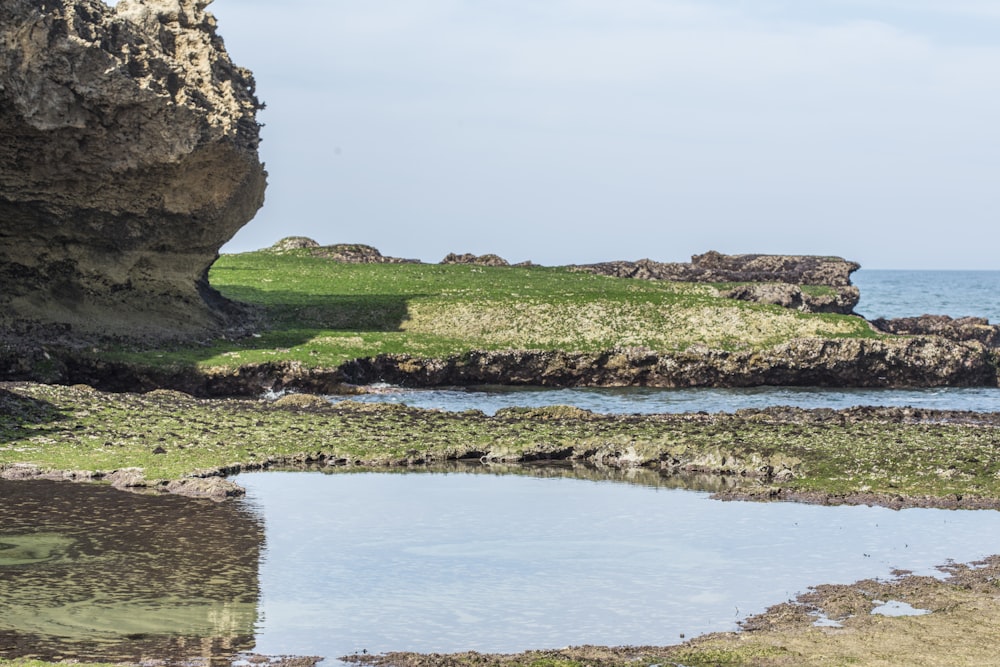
925, 361
957, 329
128, 156
776, 279
348, 253
480, 260
357, 253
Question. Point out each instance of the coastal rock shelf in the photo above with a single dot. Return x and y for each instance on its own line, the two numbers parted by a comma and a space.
784, 280
128, 156
904, 362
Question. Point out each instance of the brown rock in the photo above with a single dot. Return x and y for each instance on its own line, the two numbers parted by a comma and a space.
128, 156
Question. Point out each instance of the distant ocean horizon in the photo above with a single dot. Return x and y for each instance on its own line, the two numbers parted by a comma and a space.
908, 293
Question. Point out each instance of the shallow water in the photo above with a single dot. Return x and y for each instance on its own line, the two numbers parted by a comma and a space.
330, 564
94, 573
649, 400
436, 562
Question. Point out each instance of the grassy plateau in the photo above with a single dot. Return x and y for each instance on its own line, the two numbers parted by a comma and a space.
323, 313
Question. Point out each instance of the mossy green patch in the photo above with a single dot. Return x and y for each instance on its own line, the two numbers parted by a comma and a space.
323, 313
169, 435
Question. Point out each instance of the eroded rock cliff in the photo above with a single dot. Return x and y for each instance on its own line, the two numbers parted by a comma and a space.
128, 156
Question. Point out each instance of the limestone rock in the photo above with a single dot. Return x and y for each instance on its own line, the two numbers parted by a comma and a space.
293, 243
957, 329
925, 361
128, 156
714, 267
775, 271
481, 260
357, 253
832, 300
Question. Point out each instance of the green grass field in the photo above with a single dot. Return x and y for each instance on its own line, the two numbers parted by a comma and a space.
323, 313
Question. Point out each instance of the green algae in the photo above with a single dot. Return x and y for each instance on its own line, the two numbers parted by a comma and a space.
168, 435
33, 548
100, 575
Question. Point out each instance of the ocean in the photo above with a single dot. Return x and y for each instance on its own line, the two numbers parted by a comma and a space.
910, 293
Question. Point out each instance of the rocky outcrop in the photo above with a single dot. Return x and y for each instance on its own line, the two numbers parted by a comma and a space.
785, 280
807, 299
348, 253
959, 329
128, 156
357, 253
714, 267
293, 243
480, 260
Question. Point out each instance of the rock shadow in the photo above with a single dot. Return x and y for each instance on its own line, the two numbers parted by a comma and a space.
21, 415
285, 310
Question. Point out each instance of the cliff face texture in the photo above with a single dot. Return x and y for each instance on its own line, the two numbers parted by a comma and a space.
128, 156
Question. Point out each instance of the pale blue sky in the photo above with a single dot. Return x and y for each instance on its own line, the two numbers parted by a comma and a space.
566, 131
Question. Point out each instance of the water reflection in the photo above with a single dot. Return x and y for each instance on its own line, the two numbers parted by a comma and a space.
559, 469
502, 563
487, 558
93, 573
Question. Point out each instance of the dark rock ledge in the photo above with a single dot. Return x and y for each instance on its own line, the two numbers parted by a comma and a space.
925, 361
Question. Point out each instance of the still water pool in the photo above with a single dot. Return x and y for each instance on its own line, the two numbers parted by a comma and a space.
448, 562
331, 564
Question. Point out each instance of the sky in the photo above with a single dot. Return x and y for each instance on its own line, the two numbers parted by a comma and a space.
574, 131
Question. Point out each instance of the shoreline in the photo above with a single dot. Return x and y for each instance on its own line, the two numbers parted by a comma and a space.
831, 624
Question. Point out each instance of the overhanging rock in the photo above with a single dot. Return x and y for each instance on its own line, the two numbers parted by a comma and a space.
128, 157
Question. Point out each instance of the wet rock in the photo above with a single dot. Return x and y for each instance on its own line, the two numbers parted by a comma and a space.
212, 488
914, 362
128, 157
922, 361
